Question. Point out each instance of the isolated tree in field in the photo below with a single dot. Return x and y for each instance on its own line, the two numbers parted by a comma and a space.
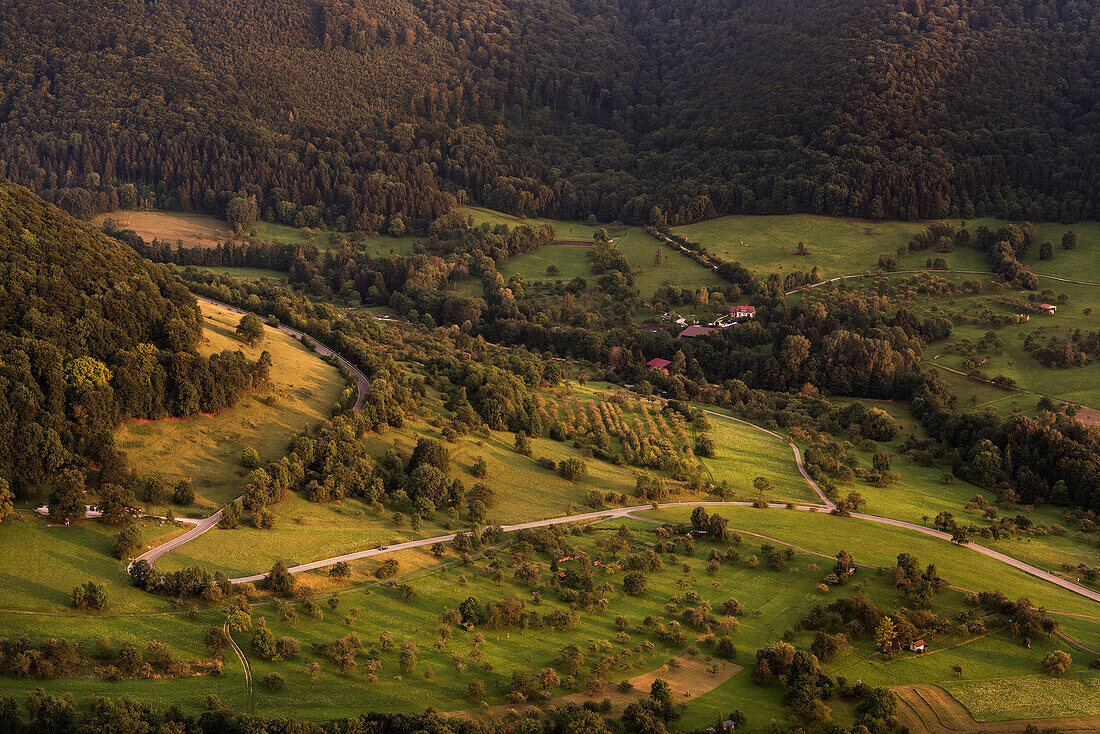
1069, 240
957, 668
659, 257
128, 542
882, 461
479, 468
704, 446
154, 489
407, 657
264, 519
184, 494
523, 443
274, 682
90, 596
475, 691
762, 485
216, 640
280, 580
263, 642
340, 570
1046, 251
572, 469
344, 652
250, 458
634, 583
1056, 663
250, 330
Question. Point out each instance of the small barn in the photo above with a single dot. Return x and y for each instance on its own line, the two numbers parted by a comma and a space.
1048, 308
693, 331
916, 646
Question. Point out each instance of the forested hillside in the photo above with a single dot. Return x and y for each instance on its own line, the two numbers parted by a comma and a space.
91, 333
373, 115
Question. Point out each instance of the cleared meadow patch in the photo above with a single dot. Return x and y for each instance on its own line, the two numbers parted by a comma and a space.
207, 449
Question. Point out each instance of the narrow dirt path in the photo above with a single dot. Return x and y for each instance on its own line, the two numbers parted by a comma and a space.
1075, 643
244, 664
927, 270
797, 454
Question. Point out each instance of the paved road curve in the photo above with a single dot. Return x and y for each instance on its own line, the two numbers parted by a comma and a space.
620, 512
361, 379
201, 526
362, 383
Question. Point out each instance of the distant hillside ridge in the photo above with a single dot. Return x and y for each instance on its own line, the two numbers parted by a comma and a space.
383, 115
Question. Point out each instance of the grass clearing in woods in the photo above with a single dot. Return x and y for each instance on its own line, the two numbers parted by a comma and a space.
207, 449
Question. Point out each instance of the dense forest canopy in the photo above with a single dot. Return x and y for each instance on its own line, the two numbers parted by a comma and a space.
357, 113
90, 333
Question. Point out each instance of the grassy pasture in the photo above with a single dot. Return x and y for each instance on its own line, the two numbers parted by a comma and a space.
563, 229
191, 229
248, 273
1029, 697
766, 243
743, 453
572, 262
638, 247
43, 564
207, 449
201, 230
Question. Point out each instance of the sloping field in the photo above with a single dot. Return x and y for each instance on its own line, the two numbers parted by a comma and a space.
207, 449
190, 229
928, 709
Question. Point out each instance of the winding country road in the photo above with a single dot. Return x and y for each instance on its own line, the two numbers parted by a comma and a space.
626, 512
619, 512
201, 526
361, 381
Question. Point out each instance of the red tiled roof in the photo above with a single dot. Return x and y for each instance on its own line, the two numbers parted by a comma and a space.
657, 363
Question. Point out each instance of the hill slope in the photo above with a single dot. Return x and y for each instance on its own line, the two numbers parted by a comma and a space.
91, 333
357, 111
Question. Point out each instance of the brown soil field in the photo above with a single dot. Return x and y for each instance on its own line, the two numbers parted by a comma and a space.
190, 229
691, 679
928, 709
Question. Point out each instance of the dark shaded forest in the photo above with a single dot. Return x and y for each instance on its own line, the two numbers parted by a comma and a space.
362, 114
90, 333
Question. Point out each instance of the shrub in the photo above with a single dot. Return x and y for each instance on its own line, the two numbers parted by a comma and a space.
90, 596
572, 469
1056, 663
274, 682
